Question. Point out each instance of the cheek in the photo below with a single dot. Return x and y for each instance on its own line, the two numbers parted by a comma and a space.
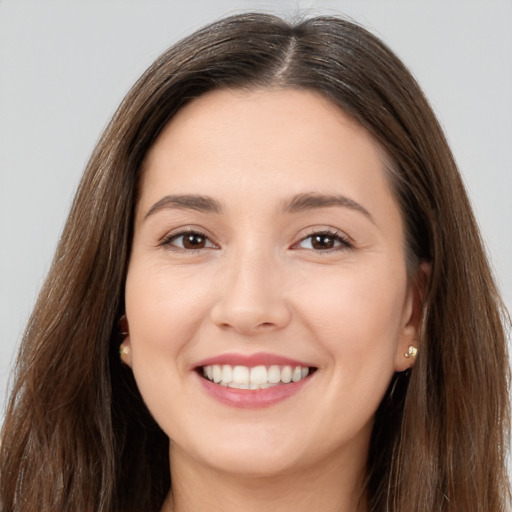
164, 309
357, 314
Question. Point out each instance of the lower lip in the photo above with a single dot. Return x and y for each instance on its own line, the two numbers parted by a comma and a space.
252, 398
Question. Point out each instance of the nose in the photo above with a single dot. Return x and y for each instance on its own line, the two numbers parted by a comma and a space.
251, 297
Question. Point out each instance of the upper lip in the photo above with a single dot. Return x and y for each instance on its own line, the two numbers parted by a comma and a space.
257, 359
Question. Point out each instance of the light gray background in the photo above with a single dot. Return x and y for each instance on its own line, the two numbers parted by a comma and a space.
65, 65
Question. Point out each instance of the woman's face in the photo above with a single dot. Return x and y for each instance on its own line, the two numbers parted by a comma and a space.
267, 247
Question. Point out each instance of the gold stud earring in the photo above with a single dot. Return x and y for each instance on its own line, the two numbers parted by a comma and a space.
123, 350
412, 352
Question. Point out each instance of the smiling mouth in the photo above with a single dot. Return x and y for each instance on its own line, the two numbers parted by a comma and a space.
255, 377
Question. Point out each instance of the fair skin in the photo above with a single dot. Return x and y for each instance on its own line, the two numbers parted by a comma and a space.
295, 250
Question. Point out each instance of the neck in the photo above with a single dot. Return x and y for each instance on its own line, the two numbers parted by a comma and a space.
331, 486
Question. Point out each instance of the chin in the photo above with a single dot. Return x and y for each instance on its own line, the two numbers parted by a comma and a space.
261, 465
255, 454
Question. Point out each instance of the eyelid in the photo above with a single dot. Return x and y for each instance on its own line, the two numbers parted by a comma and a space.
166, 240
345, 241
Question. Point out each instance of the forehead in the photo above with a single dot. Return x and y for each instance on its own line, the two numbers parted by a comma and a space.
271, 128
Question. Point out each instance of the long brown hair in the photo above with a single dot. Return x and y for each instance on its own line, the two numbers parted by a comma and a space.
77, 436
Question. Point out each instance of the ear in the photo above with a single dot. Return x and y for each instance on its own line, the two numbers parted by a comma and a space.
125, 349
412, 318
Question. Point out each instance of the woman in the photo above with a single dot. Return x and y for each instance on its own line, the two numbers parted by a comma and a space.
270, 293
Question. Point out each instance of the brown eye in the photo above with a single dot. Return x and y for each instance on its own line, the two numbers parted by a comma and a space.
194, 241
324, 242
189, 241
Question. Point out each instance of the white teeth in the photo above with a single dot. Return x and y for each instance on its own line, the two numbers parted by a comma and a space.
256, 377
274, 374
297, 374
241, 375
227, 373
217, 373
286, 374
259, 375
238, 386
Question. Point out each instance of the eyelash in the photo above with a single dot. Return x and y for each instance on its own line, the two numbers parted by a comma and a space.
168, 241
336, 237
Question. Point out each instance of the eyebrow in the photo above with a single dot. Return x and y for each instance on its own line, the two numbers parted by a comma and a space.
297, 204
185, 202
312, 201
